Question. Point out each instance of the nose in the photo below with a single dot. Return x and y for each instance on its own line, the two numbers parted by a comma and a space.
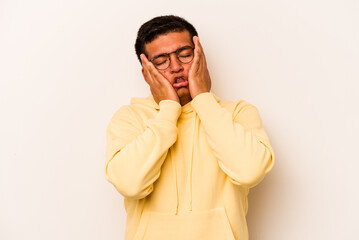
175, 65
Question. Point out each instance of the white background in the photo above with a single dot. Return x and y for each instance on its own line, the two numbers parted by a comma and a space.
67, 66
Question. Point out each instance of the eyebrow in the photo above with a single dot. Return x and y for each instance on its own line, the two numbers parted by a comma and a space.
162, 54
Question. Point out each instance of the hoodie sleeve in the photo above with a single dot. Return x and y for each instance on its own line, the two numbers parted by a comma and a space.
134, 157
237, 139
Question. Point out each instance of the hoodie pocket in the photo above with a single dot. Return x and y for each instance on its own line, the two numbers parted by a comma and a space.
210, 224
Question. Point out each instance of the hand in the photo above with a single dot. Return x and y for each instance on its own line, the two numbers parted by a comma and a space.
160, 87
199, 80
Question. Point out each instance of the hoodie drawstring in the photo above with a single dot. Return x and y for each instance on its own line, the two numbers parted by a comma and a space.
191, 160
175, 176
190, 169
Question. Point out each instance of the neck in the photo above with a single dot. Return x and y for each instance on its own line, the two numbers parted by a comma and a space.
184, 100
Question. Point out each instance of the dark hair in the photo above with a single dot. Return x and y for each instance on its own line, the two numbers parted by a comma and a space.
151, 29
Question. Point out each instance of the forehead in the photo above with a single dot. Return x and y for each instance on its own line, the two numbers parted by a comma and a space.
168, 43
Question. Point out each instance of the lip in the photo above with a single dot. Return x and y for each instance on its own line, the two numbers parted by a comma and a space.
180, 84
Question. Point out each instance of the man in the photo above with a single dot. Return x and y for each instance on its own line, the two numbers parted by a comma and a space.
184, 160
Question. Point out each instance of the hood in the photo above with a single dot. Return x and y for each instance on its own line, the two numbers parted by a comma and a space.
148, 101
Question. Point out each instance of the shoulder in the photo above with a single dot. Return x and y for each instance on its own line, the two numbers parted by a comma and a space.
236, 106
139, 109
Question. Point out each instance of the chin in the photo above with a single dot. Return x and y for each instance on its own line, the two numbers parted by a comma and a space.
185, 87
184, 93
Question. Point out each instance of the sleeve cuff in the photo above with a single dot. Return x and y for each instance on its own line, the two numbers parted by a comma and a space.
205, 103
169, 110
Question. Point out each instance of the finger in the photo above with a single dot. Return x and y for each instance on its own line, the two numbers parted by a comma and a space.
155, 75
146, 63
195, 64
199, 59
203, 56
144, 59
146, 69
198, 44
199, 48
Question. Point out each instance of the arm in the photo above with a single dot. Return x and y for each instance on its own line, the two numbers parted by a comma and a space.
134, 158
238, 141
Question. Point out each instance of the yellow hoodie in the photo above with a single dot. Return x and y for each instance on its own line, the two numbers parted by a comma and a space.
185, 171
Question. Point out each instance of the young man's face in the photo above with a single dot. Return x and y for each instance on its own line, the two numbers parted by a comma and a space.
177, 71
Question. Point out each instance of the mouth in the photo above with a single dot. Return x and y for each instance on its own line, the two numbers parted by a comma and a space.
180, 82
